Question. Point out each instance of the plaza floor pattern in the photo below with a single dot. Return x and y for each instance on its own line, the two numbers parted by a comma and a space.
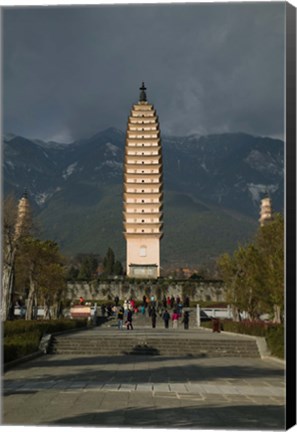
145, 391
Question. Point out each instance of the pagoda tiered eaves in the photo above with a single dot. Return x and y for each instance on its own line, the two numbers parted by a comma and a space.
143, 196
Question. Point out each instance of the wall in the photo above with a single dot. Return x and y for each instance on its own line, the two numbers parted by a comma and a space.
197, 291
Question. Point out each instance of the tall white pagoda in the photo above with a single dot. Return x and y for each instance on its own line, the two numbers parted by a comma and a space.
143, 197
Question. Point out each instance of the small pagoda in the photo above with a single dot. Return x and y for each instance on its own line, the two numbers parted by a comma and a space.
266, 210
23, 213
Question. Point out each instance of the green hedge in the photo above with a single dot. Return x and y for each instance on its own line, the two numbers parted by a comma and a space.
18, 346
42, 326
273, 333
275, 340
22, 337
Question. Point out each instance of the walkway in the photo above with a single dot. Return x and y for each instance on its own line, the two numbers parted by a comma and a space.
146, 391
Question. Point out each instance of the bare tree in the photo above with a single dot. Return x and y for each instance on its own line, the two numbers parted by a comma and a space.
9, 215
17, 224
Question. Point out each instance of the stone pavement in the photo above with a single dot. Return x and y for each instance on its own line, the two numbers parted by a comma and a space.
145, 391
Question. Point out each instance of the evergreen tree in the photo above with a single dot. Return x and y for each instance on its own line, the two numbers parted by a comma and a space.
88, 268
108, 262
118, 268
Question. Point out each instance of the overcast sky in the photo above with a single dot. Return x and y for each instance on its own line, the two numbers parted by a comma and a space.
70, 72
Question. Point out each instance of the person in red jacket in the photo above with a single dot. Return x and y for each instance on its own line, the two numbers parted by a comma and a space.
175, 317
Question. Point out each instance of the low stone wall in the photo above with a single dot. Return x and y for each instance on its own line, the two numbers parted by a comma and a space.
107, 290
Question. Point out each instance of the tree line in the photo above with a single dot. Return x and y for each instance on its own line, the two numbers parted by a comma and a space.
85, 267
34, 272
254, 274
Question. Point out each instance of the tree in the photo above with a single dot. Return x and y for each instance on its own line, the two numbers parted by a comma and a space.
9, 251
40, 267
254, 275
88, 267
73, 273
17, 224
108, 262
118, 268
270, 241
229, 273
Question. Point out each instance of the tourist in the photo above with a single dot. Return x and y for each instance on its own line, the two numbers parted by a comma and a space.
186, 320
125, 308
154, 317
109, 310
103, 310
179, 308
166, 318
187, 302
172, 301
168, 301
142, 309
120, 318
95, 314
144, 300
81, 301
116, 300
164, 302
129, 320
175, 319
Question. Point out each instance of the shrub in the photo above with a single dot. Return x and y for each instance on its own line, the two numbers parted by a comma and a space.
273, 333
18, 346
42, 326
275, 340
22, 337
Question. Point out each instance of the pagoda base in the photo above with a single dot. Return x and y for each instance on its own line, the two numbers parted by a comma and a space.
143, 271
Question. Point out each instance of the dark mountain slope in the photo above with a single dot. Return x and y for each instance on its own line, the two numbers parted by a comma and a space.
212, 191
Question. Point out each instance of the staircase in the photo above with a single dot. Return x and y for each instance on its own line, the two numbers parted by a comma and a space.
107, 340
124, 344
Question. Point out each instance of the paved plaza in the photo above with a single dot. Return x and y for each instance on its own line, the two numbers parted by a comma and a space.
145, 391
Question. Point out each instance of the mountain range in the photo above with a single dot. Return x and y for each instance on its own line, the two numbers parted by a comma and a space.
212, 190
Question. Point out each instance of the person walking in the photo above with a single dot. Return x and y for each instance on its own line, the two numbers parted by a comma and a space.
187, 302
175, 319
129, 320
120, 318
166, 318
154, 317
186, 320
142, 309
103, 310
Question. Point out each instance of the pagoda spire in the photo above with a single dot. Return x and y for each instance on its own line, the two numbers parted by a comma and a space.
25, 193
142, 97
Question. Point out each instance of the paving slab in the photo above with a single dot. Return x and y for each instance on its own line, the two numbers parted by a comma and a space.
145, 391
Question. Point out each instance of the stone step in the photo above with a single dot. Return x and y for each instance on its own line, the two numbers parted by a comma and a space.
153, 346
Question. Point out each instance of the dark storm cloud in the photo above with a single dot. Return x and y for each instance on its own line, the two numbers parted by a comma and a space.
72, 71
